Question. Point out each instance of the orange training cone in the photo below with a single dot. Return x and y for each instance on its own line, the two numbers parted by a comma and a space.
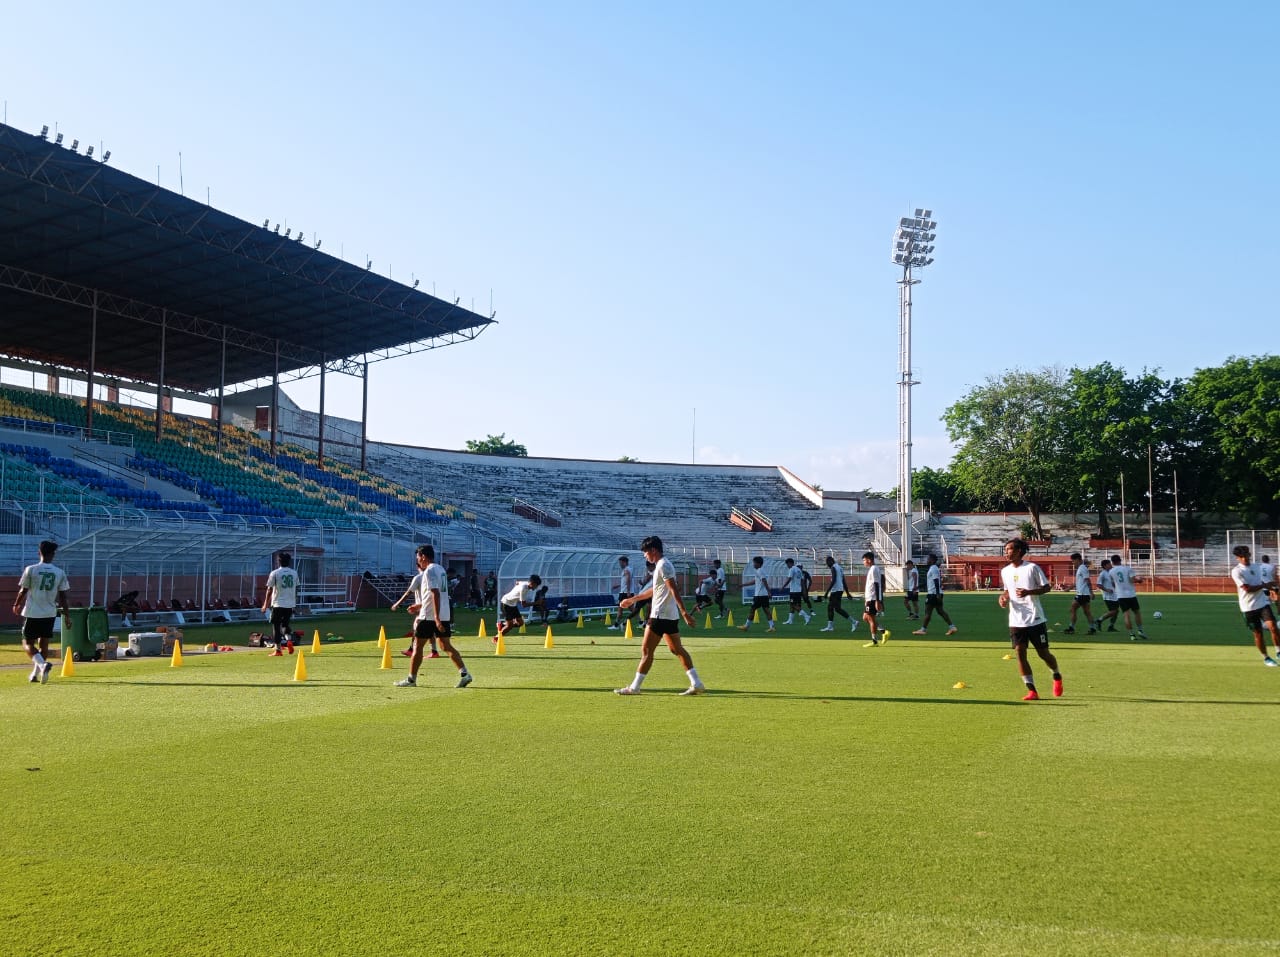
68, 663
315, 642
300, 670
551, 641
382, 636
501, 647
629, 633
386, 656
481, 633
176, 660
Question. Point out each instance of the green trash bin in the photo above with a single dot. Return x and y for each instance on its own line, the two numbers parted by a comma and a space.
76, 632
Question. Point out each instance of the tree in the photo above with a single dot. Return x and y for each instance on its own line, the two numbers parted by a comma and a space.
628, 458
496, 445
940, 489
1011, 438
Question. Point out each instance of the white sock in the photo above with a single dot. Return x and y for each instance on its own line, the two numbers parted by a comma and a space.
637, 682
693, 676
38, 659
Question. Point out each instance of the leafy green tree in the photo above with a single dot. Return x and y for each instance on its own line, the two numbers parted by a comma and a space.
1012, 441
940, 488
628, 458
496, 445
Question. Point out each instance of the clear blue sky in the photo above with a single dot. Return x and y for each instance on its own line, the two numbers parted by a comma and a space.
680, 206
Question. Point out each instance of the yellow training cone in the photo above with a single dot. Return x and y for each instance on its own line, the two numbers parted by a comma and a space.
382, 636
755, 618
629, 634
773, 614
176, 660
68, 664
959, 686
386, 656
501, 647
607, 620
551, 640
300, 670
1007, 658
730, 624
579, 619
482, 633
524, 630
707, 623
315, 642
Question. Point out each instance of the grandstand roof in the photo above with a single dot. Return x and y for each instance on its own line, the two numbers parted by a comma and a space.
75, 231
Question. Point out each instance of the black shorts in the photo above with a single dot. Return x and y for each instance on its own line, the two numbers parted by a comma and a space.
870, 608
1127, 604
1037, 635
622, 595
1111, 604
932, 602
280, 617
913, 596
512, 613
1255, 618
761, 601
1084, 601
38, 629
797, 599
426, 629
664, 626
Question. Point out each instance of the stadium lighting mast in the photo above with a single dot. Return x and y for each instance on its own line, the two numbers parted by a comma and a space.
912, 249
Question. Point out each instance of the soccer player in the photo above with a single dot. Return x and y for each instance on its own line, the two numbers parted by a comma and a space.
911, 590
703, 597
795, 590
432, 612
522, 593
1125, 580
42, 593
1084, 595
411, 592
722, 586
761, 600
873, 596
1107, 586
1268, 572
1023, 583
807, 583
625, 587
664, 623
836, 589
933, 597
282, 597
1254, 604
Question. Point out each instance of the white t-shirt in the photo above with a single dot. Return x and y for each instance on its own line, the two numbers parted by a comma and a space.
707, 586
837, 580
913, 579
43, 581
1106, 585
433, 576
795, 580
284, 582
1023, 612
624, 581
873, 590
933, 581
664, 600
1083, 585
720, 579
1268, 572
761, 587
522, 594
1244, 575
1123, 576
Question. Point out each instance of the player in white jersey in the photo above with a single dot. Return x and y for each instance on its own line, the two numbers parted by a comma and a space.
933, 597
795, 591
626, 587
1023, 583
1125, 580
722, 586
761, 597
664, 620
1268, 573
42, 593
1107, 586
432, 616
522, 593
873, 598
911, 590
1084, 595
704, 597
836, 589
282, 597
1254, 603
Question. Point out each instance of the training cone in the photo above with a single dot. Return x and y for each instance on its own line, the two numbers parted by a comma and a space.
755, 618
300, 669
607, 620
579, 619
1007, 658
68, 664
730, 618
524, 629
482, 633
176, 660
707, 623
629, 634
551, 639
501, 647
315, 642
773, 615
959, 686
382, 636
386, 656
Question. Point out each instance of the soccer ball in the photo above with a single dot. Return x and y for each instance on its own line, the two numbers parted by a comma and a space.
1158, 615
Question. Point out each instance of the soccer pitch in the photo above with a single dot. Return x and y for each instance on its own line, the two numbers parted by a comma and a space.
823, 798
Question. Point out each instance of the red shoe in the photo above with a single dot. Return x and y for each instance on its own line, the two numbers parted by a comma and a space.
1031, 696
289, 645
276, 654
408, 652
434, 654
1057, 688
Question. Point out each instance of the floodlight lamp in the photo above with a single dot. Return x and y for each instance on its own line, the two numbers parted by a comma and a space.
920, 212
318, 244
106, 156
904, 223
44, 132
89, 152
369, 264
287, 232
75, 145
57, 140
928, 214
277, 229
415, 283
266, 223
928, 262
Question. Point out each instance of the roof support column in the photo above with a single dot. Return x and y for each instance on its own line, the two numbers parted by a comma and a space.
364, 417
93, 361
320, 441
222, 387
164, 322
275, 399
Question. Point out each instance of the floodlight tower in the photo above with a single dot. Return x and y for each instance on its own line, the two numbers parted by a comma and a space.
912, 249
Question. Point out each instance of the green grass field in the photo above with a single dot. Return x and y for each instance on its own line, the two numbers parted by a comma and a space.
822, 799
